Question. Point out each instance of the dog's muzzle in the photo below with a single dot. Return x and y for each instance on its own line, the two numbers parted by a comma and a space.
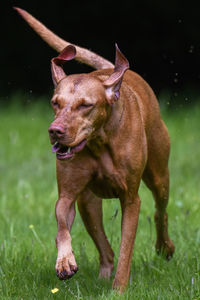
64, 152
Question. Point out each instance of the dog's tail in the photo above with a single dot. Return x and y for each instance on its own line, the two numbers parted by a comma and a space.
83, 55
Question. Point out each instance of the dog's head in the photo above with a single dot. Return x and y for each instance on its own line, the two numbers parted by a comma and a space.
81, 103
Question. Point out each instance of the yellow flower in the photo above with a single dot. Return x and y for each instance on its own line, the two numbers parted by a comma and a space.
54, 291
31, 226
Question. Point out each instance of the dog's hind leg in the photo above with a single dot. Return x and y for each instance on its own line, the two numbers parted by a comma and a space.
90, 208
156, 177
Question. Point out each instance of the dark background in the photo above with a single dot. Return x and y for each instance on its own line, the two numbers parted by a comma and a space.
161, 40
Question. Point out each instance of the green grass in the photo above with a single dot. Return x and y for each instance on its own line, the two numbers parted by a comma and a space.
28, 193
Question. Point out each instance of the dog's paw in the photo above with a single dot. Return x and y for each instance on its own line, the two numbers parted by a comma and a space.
120, 285
106, 271
66, 268
166, 249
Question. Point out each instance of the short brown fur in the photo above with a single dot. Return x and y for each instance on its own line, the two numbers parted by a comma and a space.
114, 117
126, 141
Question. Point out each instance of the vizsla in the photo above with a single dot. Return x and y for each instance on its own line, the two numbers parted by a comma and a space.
108, 135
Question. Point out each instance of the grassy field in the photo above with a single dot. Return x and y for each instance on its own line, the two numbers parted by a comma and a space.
28, 193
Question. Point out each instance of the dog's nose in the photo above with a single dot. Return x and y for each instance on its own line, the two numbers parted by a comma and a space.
56, 131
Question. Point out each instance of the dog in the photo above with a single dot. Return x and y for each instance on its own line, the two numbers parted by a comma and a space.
108, 135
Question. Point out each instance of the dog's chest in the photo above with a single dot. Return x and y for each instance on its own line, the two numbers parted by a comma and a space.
104, 187
108, 181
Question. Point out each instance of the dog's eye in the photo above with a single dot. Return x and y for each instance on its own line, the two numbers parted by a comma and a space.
85, 105
55, 104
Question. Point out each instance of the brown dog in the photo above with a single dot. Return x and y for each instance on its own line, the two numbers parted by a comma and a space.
107, 135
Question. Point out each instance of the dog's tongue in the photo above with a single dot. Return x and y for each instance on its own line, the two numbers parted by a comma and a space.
55, 147
65, 150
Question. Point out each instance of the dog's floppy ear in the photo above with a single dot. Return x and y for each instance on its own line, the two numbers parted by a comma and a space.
57, 71
113, 83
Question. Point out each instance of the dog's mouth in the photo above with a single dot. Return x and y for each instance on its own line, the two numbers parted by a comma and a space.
64, 152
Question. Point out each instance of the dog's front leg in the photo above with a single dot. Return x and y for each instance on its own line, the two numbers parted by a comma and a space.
130, 214
66, 265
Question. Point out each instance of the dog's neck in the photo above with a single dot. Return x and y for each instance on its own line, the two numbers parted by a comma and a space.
102, 137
